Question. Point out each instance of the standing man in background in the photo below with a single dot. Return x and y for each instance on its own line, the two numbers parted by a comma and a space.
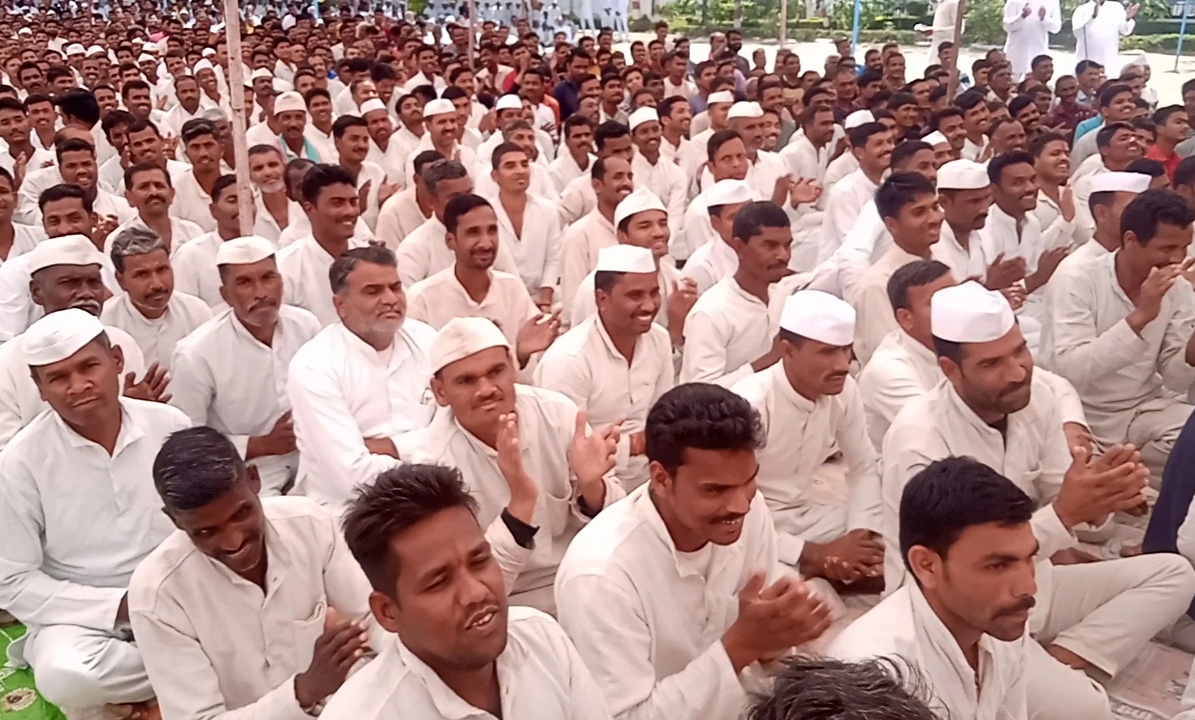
1098, 25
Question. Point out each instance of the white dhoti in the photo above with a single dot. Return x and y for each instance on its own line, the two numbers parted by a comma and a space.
79, 668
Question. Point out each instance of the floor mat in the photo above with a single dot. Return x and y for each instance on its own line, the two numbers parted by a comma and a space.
1151, 687
19, 699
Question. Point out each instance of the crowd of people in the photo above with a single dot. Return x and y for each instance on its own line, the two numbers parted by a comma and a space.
559, 382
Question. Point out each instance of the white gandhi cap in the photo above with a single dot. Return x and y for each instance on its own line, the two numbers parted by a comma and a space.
722, 96
729, 192
509, 102
970, 313
626, 259
259, 73
639, 201
59, 335
963, 175
745, 110
819, 316
289, 101
644, 114
464, 336
202, 65
935, 138
244, 251
858, 118
1120, 182
371, 105
146, 57
438, 107
75, 49
65, 250
208, 52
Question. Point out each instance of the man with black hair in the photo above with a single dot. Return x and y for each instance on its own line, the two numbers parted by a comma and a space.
1116, 106
352, 147
407, 209
150, 190
196, 602
611, 181
77, 166
976, 121
871, 145
193, 189
635, 605
1174, 126
1055, 209
578, 197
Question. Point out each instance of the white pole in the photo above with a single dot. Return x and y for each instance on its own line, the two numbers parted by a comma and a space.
236, 89
783, 23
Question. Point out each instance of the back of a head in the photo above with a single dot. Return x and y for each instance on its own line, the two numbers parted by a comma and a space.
809, 688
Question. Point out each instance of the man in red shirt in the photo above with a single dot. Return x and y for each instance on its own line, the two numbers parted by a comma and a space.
1173, 126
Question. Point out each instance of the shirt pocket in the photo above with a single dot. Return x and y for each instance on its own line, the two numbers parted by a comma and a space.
307, 629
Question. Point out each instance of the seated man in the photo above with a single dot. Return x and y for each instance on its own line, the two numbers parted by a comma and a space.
1122, 331
617, 363
716, 259
527, 454
231, 373
966, 538
456, 647
78, 514
671, 594
150, 310
808, 688
992, 409
210, 643
809, 405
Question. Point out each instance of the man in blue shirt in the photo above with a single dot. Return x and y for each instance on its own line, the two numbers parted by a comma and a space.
566, 92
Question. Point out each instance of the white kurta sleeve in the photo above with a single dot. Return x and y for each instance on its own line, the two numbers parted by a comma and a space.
677, 198
1012, 15
510, 555
705, 353
875, 319
1070, 406
573, 204
14, 300
697, 231
413, 263
865, 500
1082, 16
886, 387
345, 584
1081, 354
1172, 356
574, 265
1053, 21
553, 259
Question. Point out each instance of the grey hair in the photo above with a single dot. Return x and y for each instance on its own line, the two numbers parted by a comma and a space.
811, 688
132, 241
343, 266
442, 170
213, 115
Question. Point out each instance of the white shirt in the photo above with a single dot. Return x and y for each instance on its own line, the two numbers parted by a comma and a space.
195, 271
441, 298
192, 202
223, 377
839, 168
398, 218
669, 184
564, 169
539, 673
75, 521
215, 645
901, 369
585, 302
761, 174
425, 252
1029, 36
688, 156
710, 263
24, 239
181, 232
172, 124
963, 262
373, 174
547, 421
404, 142
973, 151
584, 365
266, 225
459, 153
726, 331
37, 180
843, 206
806, 161
341, 391
905, 628
697, 232
648, 619
875, 317
579, 249
536, 245
801, 434
157, 337
1097, 37
304, 268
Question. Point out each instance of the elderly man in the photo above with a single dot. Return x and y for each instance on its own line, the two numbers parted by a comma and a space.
231, 373
361, 383
150, 310
79, 514
527, 454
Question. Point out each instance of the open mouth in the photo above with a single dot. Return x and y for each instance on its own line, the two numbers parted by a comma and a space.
482, 620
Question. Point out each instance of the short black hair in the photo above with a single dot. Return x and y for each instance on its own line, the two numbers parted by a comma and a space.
112, 120
223, 183
1019, 103
1162, 114
1038, 146
196, 128
344, 122
73, 145
502, 151
1152, 208
969, 100
997, 164
322, 176
194, 467
1184, 172
81, 105
1146, 166
1109, 93
904, 152
64, 191
389, 506
950, 495
1103, 136
131, 173
935, 120
900, 99
1038, 60
755, 216
860, 134
460, 205
343, 266
718, 139
900, 189
425, 158
911, 275
701, 416
609, 130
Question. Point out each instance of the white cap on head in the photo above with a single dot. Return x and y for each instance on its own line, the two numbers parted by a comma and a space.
935, 138
729, 192
857, 118
25, 31
259, 73
202, 65
509, 102
438, 107
464, 336
289, 101
244, 250
96, 50
970, 313
626, 259
1120, 182
65, 250
722, 96
644, 114
745, 110
59, 335
208, 53
371, 105
641, 200
963, 175
75, 49
819, 316
146, 57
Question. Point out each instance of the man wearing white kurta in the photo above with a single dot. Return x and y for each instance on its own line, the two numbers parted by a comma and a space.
1098, 25
661, 592
654, 171
231, 373
965, 204
809, 405
407, 209
871, 144
78, 515
617, 363
1029, 24
552, 436
535, 241
582, 240
1011, 423
359, 384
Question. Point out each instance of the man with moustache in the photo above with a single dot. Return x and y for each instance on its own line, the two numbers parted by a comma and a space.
150, 191
456, 646
211, 643
612, 180
274, 211
231, 373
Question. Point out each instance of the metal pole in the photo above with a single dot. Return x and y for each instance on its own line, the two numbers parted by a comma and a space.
855, 27
236, 90
783, 23
958, 37
1182, 32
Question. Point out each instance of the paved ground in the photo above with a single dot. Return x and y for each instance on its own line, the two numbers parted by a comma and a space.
814, 54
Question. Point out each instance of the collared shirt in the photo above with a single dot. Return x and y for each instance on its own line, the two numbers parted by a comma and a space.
839, 168
266, 225
579, 247
584, 365
696, 233
963, 262
585, 303
801, 434
181, 231
1115, 369
304, 268
761, 175
845, 201
223, 377
973, 151
710, 263
547, 421
75, 521
564, 169
441, 298
875, 317
540, 675
648, 619
726, 331
806, 161
195, 271
341, 391
157, 336
192, 202
425, 252
24, 239
215, 644
398, 218
904, 627
669, 184
536, 245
